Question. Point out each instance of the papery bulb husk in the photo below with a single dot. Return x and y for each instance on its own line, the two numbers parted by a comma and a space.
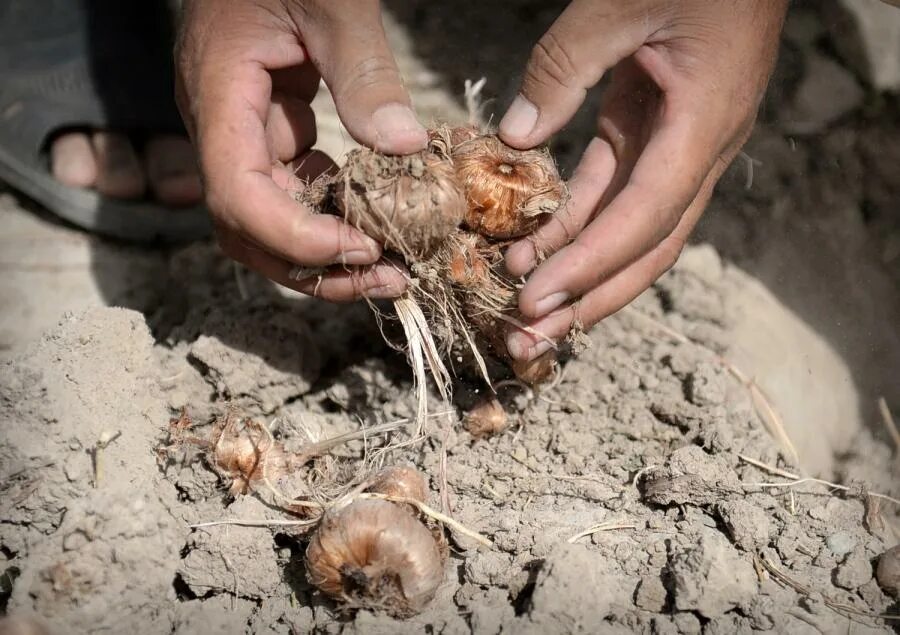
410, 203
486, 418
373, 554
538, 370
241, 451
509, 192
400, 481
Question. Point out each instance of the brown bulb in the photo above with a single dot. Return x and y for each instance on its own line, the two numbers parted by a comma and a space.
888, 572
469, 265
535, 371
373, 554
486, 419
400, 481
509, 192
410, 203
243, 452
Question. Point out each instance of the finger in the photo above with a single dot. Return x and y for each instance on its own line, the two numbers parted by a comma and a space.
382, 280
348, 45
232, 105
681, 151
629, 102
290, 127
338, 284
297, 174
588, 38
586, 188
616, 292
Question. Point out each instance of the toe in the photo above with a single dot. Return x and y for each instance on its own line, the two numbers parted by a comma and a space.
119, 171
72, 160
172, 171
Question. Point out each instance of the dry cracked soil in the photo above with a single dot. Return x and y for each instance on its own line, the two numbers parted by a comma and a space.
650, 488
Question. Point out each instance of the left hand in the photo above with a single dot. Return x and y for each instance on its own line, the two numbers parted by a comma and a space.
687, 80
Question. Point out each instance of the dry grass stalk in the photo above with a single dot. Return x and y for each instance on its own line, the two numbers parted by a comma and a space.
841, 607
611, 525
444, 519
798, 480
888, 420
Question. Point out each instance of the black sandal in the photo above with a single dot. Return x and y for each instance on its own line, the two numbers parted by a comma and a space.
70, 64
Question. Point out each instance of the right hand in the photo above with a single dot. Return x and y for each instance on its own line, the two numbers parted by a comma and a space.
247, 71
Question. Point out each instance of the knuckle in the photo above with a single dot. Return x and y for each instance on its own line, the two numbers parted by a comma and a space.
560, 230
367, 73
669, 251
551, 63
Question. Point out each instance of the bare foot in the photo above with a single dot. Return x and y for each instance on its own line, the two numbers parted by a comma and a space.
109, 163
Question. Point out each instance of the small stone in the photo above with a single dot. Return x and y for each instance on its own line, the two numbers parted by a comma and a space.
888, 572
840, 543
854, 572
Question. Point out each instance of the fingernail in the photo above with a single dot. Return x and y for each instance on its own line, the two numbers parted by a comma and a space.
538, 349
382, 292
396, 128
523, 348
520, 119
518, 345
548, 303
520, 258
364, 256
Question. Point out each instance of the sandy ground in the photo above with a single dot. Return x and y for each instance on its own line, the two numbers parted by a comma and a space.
794, 280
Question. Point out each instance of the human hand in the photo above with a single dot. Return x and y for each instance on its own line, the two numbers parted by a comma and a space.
687, 79
247, 71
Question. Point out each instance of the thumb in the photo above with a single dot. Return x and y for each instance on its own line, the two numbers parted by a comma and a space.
587, 39
346, 42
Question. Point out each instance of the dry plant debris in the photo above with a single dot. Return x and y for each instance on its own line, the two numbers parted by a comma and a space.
374, 544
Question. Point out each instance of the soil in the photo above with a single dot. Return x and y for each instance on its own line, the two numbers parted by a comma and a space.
630, 495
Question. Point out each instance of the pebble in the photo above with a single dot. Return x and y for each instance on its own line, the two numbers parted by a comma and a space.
840, 543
